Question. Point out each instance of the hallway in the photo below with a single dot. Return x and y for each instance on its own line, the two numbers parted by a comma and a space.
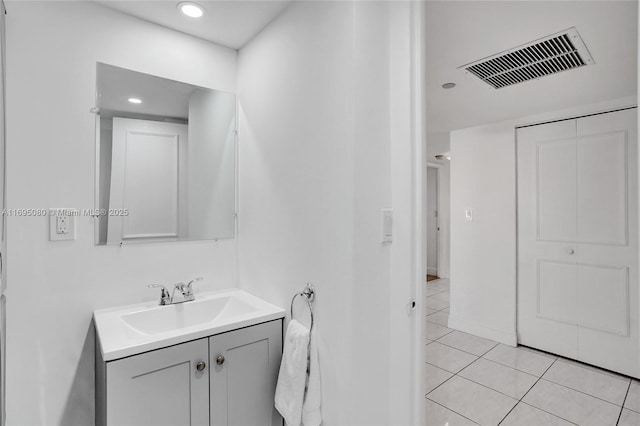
471, 380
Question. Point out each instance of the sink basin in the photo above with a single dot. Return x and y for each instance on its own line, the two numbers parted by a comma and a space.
130, 330
173, 317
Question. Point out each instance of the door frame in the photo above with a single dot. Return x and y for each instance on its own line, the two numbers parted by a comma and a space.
439, 247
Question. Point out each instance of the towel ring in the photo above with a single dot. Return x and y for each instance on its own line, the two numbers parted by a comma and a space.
309, 294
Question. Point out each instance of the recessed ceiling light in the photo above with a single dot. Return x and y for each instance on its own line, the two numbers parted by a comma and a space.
190, 9
448, 85
135, 100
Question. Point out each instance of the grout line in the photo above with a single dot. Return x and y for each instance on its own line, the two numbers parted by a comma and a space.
522, 371
482, 356
450, 372
454, 348
485, 386
623, 402
440, 292
447, 408
437, 323
436, 310
509, 367
554, 415
435, 340
448, 378
584, 393
527, 392
593, 368
462, 350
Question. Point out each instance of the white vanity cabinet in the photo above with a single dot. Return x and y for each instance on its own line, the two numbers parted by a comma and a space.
225, 379
161, 387
243, 374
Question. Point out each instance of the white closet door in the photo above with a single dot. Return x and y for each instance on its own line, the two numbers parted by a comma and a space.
578, 239
547, 276
607, 244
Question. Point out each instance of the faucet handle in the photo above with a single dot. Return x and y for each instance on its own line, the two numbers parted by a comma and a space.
165, 298
193, 281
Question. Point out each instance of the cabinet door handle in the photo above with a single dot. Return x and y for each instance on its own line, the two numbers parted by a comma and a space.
220, 360
201, 366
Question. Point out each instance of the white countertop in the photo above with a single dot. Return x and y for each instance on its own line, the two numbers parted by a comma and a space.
119, 334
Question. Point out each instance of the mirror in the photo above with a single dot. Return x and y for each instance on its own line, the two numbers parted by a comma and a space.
165, 167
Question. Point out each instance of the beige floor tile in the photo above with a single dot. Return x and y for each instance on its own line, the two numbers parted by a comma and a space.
437, 415
468, 342
443, 296
572, 405
633, 397
436, 304
473, 401
629, 418
441, 318
447, 358
520, 359
526, 415
434, 331
435, 377
500, 378
588, 380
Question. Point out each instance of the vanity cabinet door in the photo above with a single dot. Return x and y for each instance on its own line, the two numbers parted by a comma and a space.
161, 387
244, 369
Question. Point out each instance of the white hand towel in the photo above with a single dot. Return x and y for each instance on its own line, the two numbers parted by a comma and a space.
311, 408
293, 373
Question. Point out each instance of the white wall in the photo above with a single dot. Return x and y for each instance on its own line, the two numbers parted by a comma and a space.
438, 144
211, 168
52, 49
315, 145
483, 251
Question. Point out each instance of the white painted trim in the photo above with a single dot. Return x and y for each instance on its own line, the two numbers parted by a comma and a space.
472, 327
96, 178
419, 142
432, 271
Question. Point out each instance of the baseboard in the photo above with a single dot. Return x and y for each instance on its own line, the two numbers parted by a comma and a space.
432, 271
472, 327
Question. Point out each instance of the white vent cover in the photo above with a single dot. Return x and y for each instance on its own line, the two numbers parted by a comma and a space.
549, 55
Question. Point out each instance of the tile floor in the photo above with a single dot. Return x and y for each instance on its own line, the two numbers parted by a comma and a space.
471, 380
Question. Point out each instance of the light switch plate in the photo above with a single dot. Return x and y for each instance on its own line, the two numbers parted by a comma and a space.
468, 215
62, 224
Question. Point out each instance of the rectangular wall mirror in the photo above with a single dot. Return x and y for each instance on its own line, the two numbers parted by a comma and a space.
166, 156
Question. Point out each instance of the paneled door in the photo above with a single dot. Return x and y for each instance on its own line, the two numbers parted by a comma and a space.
148, 179
578, 239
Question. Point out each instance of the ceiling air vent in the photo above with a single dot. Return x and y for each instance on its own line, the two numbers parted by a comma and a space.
549, 55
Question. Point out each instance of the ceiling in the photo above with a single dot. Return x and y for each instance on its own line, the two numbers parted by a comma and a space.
160, 97
460, 32
231, 23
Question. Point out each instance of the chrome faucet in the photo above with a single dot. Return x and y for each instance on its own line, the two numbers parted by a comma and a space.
165, 299
185, 289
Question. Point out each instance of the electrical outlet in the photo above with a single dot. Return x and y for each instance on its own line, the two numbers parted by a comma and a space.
62, 224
